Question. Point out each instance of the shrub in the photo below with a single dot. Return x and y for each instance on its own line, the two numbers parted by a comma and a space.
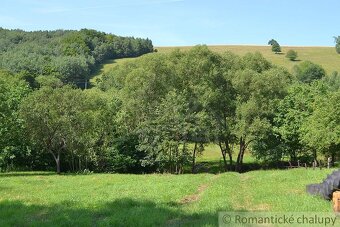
307, 72
276, 48
291, 55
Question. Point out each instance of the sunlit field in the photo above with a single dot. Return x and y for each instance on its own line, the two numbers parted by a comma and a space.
45, 199
324, 56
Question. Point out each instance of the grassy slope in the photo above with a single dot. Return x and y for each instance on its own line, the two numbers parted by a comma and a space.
113, 199
325, 56
105, 67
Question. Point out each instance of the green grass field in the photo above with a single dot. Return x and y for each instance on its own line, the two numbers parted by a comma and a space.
105, 67
324, 56
45, 199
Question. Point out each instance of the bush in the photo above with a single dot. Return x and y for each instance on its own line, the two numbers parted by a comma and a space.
307, 71
276, 48
337, 46
291, 55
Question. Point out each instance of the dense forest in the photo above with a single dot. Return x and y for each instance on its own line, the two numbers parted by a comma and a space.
63, 56
158, 112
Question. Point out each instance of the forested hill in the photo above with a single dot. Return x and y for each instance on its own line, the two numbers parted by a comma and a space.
65, 56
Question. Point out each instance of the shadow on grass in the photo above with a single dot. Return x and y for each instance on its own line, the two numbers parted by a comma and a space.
122, 212
216, 167
99, 70
26, 174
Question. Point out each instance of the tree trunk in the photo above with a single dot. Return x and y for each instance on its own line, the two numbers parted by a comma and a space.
224, 161
315, 156
333, 158
57, 160
240, 154
170, 160
194, 158
243, 151
223, 152
293, 157
86, 166
58, 165
80, 167
230, 158
230, 153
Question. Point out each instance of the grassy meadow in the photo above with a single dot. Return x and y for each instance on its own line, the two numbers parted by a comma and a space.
46, 199
324, 56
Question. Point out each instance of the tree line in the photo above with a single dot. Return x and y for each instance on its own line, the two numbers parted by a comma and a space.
158, 112
63, 56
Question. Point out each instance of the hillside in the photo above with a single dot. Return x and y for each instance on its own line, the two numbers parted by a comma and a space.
106, 67
67, 55
324, 56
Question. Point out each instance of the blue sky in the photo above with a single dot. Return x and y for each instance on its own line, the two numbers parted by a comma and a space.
185, 22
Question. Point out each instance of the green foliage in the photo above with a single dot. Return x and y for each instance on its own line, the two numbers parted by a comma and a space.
272, 42
169, 133
67, 123
323, 56
322, 128
337, 44
291, 55
307, 71
74, 44
13, 149
276, 48
195, 97
257, 100
159, 111
50, 81
333, 81
67, 55
293, 111
119, 162
256, 62
161, 103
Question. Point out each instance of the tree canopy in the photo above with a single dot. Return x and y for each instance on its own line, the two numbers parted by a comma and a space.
64, 54
276, 48
156, 113
12, 139
291, 55
337, 44
307, 71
